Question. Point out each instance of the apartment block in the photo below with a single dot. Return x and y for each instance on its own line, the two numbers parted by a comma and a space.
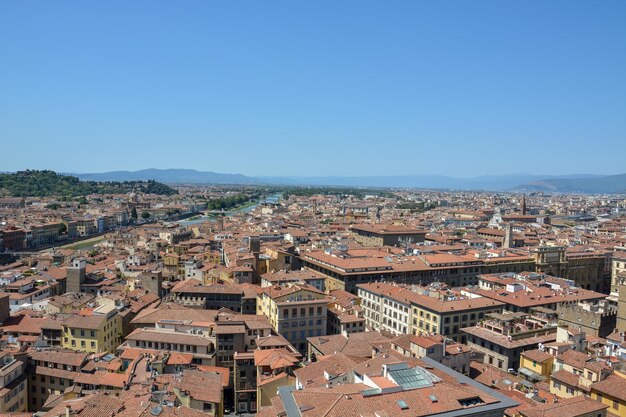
295, 311
402, 309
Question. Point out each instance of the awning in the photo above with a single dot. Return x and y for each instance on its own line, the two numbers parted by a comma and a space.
530, 375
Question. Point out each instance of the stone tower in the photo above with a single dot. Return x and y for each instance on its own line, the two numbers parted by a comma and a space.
508, 236
621, 304
152, 282
76, 275
523, 204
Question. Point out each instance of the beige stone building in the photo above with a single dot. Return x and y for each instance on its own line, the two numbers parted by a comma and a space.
295, 311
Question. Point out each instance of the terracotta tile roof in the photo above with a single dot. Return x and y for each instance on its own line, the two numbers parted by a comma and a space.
64, 357
102, 379
168, 311
565, 377
357, 345
153, 335
224, 372
201, 386
92, 322
23, 324
179, 359
570, 407
574, 358
503, 340
313, 374
55, 372
95, 405
407, 296
537, 355
274, 358
613, 385
348, 401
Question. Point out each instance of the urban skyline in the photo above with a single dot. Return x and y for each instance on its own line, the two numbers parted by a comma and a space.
303, 209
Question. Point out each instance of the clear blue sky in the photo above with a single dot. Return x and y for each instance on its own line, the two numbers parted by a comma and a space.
314, 88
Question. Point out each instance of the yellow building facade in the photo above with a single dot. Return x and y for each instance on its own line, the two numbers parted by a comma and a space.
93, 334
608, 392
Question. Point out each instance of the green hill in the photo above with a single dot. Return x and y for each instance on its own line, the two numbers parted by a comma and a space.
49, 183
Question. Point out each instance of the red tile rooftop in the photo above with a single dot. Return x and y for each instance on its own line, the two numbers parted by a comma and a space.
406, 295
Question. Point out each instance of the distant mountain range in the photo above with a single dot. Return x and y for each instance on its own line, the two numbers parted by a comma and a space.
487, 182
586, 183
602, 185
171, 176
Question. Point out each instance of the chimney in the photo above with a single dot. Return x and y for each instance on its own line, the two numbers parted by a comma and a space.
68, 409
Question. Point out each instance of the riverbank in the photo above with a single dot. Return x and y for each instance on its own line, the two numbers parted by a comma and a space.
83, 244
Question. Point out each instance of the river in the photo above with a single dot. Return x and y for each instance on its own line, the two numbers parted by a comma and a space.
246, 209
